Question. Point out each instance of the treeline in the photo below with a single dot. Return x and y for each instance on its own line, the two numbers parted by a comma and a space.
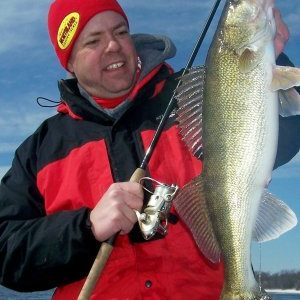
282, 280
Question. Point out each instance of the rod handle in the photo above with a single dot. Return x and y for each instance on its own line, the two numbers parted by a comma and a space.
137, 175
97, 267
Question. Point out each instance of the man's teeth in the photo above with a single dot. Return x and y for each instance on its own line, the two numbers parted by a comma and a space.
115, 66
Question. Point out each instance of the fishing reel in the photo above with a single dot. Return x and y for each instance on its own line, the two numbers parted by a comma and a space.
154, 218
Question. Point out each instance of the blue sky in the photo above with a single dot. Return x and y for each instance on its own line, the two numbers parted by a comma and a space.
29, 69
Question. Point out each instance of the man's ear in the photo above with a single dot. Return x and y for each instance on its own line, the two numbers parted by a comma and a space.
70, 66
70, 75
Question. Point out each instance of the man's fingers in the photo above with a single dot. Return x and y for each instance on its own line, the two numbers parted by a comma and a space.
130, 192
282, 32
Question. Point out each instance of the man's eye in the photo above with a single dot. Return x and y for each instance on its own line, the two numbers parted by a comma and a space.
122, 32
91, 42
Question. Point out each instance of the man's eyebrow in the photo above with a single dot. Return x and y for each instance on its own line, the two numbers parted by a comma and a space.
120, 24
99, 32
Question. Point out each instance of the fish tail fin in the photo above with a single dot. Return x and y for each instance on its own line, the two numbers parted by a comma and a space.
191, 206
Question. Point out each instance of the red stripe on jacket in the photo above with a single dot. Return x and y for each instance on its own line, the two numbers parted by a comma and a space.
89, 176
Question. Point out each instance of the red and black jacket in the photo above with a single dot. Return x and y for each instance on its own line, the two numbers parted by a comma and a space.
63, 169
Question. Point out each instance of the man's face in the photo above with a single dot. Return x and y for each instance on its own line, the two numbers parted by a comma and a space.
104, 58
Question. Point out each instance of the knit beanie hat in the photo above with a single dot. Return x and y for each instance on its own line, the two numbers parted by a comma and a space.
67, 18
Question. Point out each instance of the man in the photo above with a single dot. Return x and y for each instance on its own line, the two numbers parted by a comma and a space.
68, 189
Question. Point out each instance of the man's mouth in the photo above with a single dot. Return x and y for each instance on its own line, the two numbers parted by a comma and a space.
115, 66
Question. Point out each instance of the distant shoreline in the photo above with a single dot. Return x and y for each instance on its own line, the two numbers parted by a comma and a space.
280, 291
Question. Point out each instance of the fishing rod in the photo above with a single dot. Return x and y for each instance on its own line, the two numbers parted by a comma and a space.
107, 246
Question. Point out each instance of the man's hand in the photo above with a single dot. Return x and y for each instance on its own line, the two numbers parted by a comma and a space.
282, 33
115, 211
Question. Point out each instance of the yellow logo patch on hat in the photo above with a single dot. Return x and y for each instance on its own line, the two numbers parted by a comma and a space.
67, 30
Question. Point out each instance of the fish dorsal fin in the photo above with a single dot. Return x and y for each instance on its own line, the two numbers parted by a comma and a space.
274, 218
189, 97
289, 102
285, 77
190, 204
249, 59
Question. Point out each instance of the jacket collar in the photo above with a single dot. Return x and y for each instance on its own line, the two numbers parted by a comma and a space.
79, 107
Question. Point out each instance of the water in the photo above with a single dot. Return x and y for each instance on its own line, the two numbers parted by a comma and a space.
6, 294
285, 296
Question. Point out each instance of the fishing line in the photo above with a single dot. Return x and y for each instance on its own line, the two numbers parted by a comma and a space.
259, 273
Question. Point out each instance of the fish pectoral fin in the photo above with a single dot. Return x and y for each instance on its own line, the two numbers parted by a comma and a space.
274, 218
191, 206
285, 77
249, 59
189, 96
289, 102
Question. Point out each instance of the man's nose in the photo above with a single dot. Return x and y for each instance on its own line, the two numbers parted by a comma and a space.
112, 45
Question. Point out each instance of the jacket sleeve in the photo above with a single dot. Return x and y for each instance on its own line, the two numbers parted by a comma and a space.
37, 251
289, 129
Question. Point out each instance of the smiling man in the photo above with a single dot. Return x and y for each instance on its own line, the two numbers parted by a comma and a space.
67, 190
104, 59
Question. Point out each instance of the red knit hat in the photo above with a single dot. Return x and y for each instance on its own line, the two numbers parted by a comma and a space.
67, 18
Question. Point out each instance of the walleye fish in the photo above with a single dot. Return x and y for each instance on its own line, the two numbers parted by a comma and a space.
229, 109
